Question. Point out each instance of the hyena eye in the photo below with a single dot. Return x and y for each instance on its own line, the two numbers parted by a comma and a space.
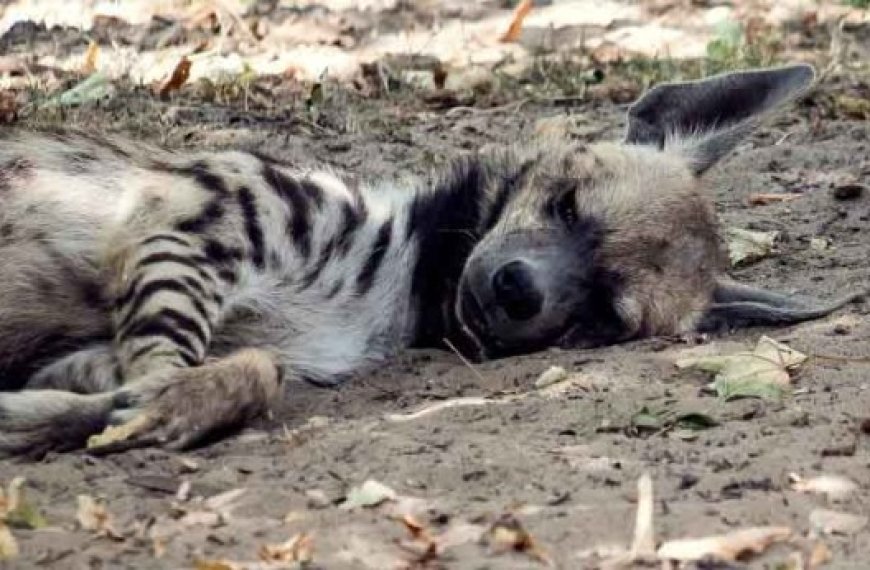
566, 209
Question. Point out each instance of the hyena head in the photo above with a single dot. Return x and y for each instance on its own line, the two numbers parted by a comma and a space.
612, 241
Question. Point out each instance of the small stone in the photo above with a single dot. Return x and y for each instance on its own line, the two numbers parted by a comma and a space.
848, 191
317, 499
188, 465
842, 329
550, 376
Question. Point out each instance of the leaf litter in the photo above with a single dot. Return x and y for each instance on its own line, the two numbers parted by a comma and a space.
748, 246
15, 512
764, 372
739, 545
93, 516
834, 487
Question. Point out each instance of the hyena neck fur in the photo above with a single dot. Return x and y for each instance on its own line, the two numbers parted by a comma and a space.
449, 214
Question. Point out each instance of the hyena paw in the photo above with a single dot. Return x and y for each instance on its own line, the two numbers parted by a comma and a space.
179, 408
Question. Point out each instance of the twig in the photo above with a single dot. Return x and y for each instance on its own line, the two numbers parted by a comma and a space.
507, 106
444, 405
464, 360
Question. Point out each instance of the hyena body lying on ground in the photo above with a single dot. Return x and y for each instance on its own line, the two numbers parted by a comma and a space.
177, 290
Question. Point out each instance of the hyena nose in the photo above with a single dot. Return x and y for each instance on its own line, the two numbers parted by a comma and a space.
514, 290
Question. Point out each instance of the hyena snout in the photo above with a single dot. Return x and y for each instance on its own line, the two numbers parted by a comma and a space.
515, 292
512, 300
499, 299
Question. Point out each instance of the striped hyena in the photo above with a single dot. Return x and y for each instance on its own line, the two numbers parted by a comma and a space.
177, 291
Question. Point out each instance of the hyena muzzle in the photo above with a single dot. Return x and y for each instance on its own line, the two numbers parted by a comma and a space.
176, 292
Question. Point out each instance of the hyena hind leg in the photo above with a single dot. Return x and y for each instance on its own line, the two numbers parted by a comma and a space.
86, 371
174, 407
736, 306
33, 422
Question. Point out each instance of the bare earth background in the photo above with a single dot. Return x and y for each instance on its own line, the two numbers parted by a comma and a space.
531, 476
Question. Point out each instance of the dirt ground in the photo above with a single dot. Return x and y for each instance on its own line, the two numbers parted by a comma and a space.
564, 461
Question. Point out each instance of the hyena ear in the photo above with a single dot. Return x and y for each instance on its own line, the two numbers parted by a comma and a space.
704, 120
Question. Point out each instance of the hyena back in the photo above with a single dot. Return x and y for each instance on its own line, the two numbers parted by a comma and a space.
178, 291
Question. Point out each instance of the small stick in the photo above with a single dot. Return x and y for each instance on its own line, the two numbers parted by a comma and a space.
464, 360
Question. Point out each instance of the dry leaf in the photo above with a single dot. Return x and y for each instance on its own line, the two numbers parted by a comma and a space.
520, 12
370, 494
820, 243
825, 521
215, 565
90, 63
819, 556
176, 79
746, 246
94, 517
8, 544
95, 87
298, 549
728, 547
762, 373
762, 199
8, 107
15, 511
833, 486
507, 533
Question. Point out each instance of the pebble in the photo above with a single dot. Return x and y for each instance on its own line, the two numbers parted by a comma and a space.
848, 191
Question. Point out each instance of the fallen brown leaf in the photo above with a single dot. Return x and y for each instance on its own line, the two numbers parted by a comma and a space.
90, 63
299, 548
728, 547
176, 79
819, 556
422, 545
8, 544
520, 12
507, 533
94, 517
8, 107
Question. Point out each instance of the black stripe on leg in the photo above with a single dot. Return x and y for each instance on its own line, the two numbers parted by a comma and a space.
191, 261
183, 322
379, 249
151, 288
144, 349
165, 238
352, 218
210, 214
248, 205
322, 260
220, 254
152, 327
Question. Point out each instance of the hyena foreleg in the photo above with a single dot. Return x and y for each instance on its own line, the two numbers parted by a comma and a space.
173, 407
